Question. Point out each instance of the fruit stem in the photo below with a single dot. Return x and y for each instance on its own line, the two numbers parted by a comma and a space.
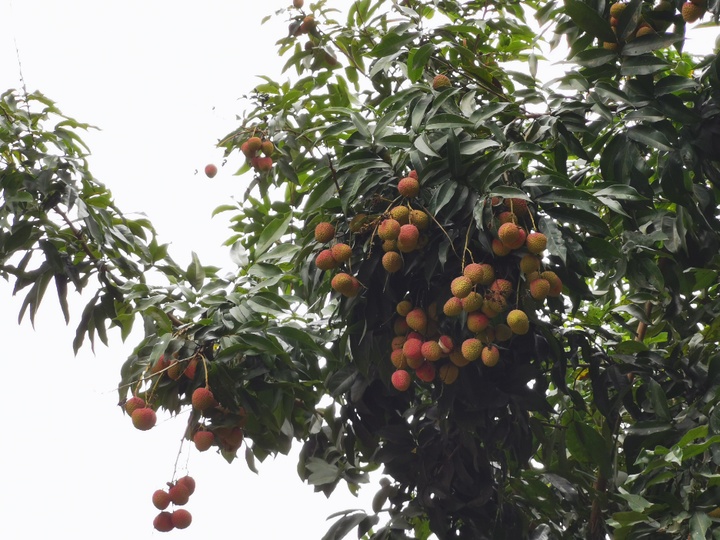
442, 229
204, 360
465, 247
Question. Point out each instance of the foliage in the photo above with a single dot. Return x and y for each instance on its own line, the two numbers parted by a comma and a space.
600, 419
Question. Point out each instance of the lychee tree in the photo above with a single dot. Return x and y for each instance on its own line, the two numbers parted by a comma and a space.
507, 286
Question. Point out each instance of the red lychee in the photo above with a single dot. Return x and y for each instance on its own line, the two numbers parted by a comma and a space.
181, 518
417, 320
144, 418
210, 170
426, 371
397, 357
401, 380
536, 242
431, 351
341, 252
325, 260
179, 494
203, 399
345, 284
408, 238
408, 187
134, 403
203, 440
161, 499
188, 482
163, 522
324, 232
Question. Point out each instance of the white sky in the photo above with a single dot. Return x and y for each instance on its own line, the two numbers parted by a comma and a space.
162, 80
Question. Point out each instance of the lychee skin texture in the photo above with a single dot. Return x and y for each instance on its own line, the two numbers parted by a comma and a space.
540, 289
536, 242
341, 252
409, 187
403, 307
529, 264
203, 399
508, 233
401, 214
134, 403
264, 164
163, 522
431, 351
389, 229
518, 322
440, 81
144, 418
471, 349
267, 148
426, 372
499, 249
490, 356
254, 144
397, 358
448, 373
181, 518
453, 307
210, 170
188, 482
408, 238
461, 286
412, 349
691, 12
345, 284
179, 494
392, 262
477, 322
555, 283
417, 320
401, 380
203, 440
324, 232
325, 260
161, 499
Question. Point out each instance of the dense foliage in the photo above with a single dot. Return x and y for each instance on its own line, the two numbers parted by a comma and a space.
590, 407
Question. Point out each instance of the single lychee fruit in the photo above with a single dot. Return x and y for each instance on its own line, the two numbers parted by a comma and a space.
518, 322
509, 234
341, 252
254, 144
518, 207
440, 81
471, 349
397, 357
389, 245
408, 187
529, 264
408, 238
263, 164
448, 373
644, 30
401, 380
191, 369
267, 148
490, 355
245, 149
134, 403
308, 25
179, 494
426, 371
324, 232
392, 262
203, 440
472, 302
691, 12
457, 358
203, 399
163, 522
397, 342
498, 248
477, 322
540, 289
298, 4
431, 351
502, 286
144, 418
160, 364
400, 327
229, 438
461, 286
412, 349
453, 307
389, 229
401, 214
181, 518
555, 283
161, 499
536, 242
617, 9
403, 307
420, 219
474, 271
446, 344
417, 320
175, 370
210, 170
325, 260
507, 217
188, 482
345, 284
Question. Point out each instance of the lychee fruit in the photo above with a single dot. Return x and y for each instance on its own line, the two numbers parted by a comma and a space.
144, 418
203, 399
517, 206
502, 286
397, 357
341, 252
417, 320
471, 349
163, 522
555, 283
461, 286
453, 307
134, 403
691, 12
392, 262
617, 9
446, 344
420, 219
175, 370
407, 240
498, 248
191, 369
472, 302
324, 232
540, 289
431, 351
448, 373
389, 245
502, 332
357, 223
440, 81
457, 358
644, 30
426, 371
389, 229
490, 355
267, 148
529, 264
408, 187
509, 234
518, 322
401, 214
401, 380
536, 242
210, 170
263, 164
345, 284
161, 499
188, 482
203, 440
397, 342
477, 322
181, 518
403, 307
179, 494
298, 4
160, 364
254, 144
325, 260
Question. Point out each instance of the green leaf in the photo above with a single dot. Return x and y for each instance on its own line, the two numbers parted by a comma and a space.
649, 43
650, 136
417, 60
422, 144
643, 65
589, 20
195, 273
471, 148
272, 233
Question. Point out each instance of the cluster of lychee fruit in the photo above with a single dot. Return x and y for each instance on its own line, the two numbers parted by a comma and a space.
258, 153
177, 494
227, 430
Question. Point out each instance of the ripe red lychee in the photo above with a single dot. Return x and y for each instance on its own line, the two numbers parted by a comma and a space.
203, 399
408, 187
471, 349
144, 418
536, 242
181, 518
691, 12
188, 482
417, 320
245, 149
160, 364
210, 170
341, 252
401, 380
134, 403
308, 25
161, 499
412, 349
191, 369
490, 355
324, 232
461, 286
448, 373
175, 370
555, 283
392, 262
203, 440
540, 289
431, 351
163, 522
440, 81
446, 344
389, 229
517, 206
426, 372
507, 217
179, 494
325, 260
518, 322
408, 238
263, 164
477, 322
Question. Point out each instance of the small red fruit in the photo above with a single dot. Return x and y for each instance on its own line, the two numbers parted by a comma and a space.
401, 380
210, 170
203, 440
181, 518
263, 164
163, 522
134, 403
203, 399
324, 232
409, 187
161, 499
144, 418
188, 482
179, 494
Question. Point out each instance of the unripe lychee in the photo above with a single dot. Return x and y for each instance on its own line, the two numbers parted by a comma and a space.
617, 9
400, 327
181, 518
408, 187
188, 482
509, 233
453, 307
477, 322
502, 333
536, 242
407, 240
341, 252
490, 355
143, 418
474, 271
498, 248
325, 260
446, 344
426, 372
540, 289
529, 264
461, 286
203, 440
210, 170
518, 322
403, 308
179, 494
397, 357
472, 302
457, 358
163, 522
397, 342
471, 349
161, 499
345, 284
267, 148
389, 245
254, 144
417, 320
420, 219
392, 262
440, 81
389, 229
203, 399
134, 403
401, 380
431, 351
401, 214
324, 232
555, 283
448, 373
412, 349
